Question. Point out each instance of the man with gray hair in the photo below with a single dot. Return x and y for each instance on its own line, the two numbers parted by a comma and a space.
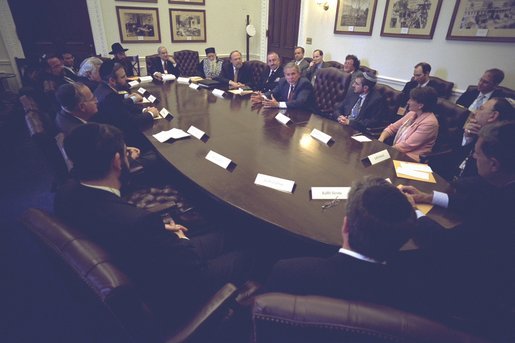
165, 64
89, 72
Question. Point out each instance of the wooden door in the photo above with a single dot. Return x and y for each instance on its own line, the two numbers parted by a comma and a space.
283, 27
50, 26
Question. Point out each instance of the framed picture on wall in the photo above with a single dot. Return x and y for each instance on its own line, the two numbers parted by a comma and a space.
492, 21
410, 18
138, 24
188, 25
355, 17
153, 1
187, 2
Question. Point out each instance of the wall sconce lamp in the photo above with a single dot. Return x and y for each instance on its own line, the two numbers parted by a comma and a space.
323, 3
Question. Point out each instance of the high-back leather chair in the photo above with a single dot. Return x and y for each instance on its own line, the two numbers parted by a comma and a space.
256, 67
331, 86
134, 61
368, 70
451, 118
391, 95
336, 64
443, 87
149, 60
278, 318
115, 291
187, 61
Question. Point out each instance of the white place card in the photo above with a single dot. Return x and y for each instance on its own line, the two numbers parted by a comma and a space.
329, 193
361, 138
416, 167
183, 80
282, 118
133, 83
194, 85
218, 159
379, 157
197, 133
404, 30
168, 77
145, 79
482, 32
218, 92
141, 90
276, 183
152, 98
165, 113
413, 173
321, 136
174, 133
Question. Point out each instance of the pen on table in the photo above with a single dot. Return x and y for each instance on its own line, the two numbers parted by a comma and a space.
357, 134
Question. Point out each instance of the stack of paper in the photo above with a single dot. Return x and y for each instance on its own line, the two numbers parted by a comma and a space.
414, 171
174, 133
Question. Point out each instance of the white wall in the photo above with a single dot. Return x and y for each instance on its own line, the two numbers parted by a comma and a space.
462, 62
5, 67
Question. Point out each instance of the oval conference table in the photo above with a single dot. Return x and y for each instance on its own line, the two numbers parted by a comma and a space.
256, 142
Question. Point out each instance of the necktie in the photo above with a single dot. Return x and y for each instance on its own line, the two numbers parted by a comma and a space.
355, 110
290, 93
235, 75
477, 103
164, 68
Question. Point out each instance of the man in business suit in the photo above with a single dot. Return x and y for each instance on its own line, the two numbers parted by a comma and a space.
298, 54
486, 89
364, 106
236, 74
173, 271
164, 64
377, 223
420, 79
293, 91
315, 65
270, 77
120, 57
351, 66
78, 106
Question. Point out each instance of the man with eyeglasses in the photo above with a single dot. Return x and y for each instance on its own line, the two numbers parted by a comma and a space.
420, 79
486, 89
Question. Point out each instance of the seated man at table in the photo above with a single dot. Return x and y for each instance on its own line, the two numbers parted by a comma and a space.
50, 79
420, 79
211, 66
364, 106
174, 273
298, 54
120, 57
236, 74
164, 64
351, 66
486, 89
270, 77
89, 72
378, 222
293, 91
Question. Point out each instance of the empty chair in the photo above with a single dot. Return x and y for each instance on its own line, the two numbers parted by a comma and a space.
257, 68
331, 87
451, 118
391, 95
187, 60
134, 62
149, 60
442, 87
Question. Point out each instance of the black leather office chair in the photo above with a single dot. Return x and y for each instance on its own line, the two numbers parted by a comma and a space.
149, 60
256, 67
331, 87
443, 87
187, 60
134, 61
368, 70
336, 64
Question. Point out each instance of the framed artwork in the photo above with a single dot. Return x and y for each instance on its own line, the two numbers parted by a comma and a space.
153, 1
492, 20
138, 24
187, 2
188, 25
410, 18
355, 17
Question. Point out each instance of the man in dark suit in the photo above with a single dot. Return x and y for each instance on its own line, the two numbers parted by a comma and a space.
351, 66
420, 79
236, 74
364, 106
270, 77
78, 106
315, 65
298, 54
486, 89
293, 91
120, 57
377, 223
164, 64
174, 272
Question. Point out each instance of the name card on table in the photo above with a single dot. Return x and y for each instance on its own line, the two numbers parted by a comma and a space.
323, 137
282, 118
164, 113
276, 183
329, 193
143, 79
194, 85
218, 92
197, 133
133, 83
142, 90
152, 98
361, 138
168, 77
218, 159
379, 157
174, 133
183, 80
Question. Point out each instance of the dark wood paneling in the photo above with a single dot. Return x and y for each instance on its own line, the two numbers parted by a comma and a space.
283, 27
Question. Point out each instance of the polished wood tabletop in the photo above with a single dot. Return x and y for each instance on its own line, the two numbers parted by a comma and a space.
258, 143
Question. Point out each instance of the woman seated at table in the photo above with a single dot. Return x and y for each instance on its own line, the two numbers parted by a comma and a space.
416, 132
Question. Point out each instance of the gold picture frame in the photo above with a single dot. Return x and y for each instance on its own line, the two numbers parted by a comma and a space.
410, 18
355, 17
492, 21
138, 24
188, 26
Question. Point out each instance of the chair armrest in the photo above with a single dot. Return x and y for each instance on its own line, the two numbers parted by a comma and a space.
217, 302
375, 132
439, 154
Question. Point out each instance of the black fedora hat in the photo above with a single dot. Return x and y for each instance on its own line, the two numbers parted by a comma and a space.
116, 48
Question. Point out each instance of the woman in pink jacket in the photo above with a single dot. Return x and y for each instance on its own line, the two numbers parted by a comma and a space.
416, 132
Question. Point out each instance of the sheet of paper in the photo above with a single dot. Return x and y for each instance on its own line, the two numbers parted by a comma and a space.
361, 138
165, 113
282, 118
413, 173
321, 136
174, 133
197, 133
379, 157
424, 208
168, 77
143, 79
276, 183
152, 98
141, 90
218, 159
133, 83
194, 86
416, 166
329, 193
218, 92
196, 79
183, 80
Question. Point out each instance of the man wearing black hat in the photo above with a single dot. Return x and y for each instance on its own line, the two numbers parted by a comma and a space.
210, 67
164, 64
119, 56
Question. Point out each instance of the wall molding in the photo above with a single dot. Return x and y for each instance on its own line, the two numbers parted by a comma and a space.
96, 21
10, 38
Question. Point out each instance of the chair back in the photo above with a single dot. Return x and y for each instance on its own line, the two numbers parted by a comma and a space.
28, 70
507, 92
331, 86
443, 87
134, 61
256, 67
336, 64
368, 70
391, 96
278, 317
451, 118
149, 60
188, 61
